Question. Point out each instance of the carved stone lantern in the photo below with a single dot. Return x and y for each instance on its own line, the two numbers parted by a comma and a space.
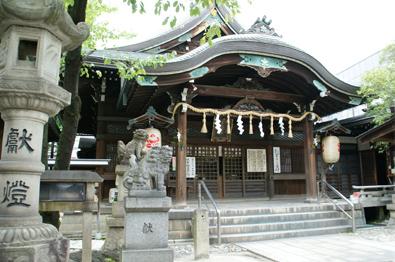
33, 35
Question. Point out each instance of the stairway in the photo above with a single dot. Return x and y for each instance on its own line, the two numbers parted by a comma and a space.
253, 224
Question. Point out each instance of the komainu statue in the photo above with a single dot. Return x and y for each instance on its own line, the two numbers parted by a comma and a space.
148, 173
134, 147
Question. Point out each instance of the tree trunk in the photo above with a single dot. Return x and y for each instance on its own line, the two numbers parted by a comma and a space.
71, 114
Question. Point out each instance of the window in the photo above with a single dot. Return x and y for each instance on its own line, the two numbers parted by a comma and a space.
27, 50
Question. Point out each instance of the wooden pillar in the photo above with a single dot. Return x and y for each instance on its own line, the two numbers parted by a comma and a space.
310, 162
269, 178
181, 180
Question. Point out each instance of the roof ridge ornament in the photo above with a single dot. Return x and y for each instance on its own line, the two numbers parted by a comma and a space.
262, 26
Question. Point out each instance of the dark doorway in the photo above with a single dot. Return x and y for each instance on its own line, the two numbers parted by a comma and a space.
381, 169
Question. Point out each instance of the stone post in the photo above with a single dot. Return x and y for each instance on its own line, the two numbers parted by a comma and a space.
201, 235
32, 36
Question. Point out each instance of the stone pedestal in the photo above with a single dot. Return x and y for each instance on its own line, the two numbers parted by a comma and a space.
391, 208
146, 234
114, 240
32, 36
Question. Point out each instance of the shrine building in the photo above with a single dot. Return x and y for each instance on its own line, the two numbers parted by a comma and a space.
239, 114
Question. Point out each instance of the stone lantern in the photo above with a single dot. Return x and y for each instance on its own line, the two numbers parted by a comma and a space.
33, 35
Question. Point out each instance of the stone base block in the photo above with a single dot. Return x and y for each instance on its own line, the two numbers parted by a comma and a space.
118, 209
35, 243
114, 240
148, 255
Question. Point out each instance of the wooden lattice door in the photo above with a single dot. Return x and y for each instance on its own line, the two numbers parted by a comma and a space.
232, 166
255, 184
207, 165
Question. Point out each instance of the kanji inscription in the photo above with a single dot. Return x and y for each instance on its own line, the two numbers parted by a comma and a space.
147, 228
15, 193
13, 139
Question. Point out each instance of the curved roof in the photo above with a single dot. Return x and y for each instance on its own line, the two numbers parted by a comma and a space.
256, 44
183, 29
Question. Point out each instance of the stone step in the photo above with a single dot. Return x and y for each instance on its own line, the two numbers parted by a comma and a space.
279, 226
267, 218
273, 210
257, 236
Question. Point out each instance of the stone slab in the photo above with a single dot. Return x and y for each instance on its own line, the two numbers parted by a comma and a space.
150, 230
149, 255
147, 193
149, 204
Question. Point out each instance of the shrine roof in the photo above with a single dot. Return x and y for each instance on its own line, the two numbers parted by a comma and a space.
183, 29
383, 132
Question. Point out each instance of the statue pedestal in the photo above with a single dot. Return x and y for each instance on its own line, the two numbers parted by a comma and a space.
114, 240
146, 221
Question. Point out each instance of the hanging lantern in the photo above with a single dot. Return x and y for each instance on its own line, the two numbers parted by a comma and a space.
204, 127
330, 149
154, 138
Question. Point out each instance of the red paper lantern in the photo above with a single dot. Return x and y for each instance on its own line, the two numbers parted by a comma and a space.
154, 138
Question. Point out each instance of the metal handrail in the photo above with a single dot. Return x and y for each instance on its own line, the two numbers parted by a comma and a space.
217, 211
352, 216
373, 187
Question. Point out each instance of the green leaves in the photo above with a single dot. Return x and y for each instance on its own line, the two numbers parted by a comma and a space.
213, 31
135, 68
378, 87
100, 33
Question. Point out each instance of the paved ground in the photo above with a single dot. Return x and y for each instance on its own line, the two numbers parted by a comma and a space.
369, 244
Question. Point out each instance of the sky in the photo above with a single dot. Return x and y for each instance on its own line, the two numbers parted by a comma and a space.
338, 33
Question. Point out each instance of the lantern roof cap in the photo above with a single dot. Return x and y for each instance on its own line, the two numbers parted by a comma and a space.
332, 127
50, 15
150, 118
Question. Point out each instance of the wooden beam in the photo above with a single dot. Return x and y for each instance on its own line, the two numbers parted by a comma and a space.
222, 91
